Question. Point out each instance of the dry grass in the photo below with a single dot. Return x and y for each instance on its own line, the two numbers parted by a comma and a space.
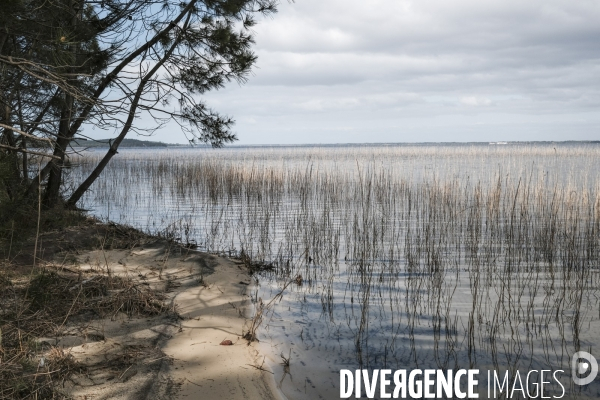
43, 304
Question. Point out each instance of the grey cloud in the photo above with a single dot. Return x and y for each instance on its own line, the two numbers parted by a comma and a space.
426, 70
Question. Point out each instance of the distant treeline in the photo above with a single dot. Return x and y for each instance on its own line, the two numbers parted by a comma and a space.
104, 143
80, 142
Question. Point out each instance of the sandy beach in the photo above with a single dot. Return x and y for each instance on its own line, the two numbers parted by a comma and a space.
177, 353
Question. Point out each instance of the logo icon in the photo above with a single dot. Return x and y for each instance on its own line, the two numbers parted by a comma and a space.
584, 368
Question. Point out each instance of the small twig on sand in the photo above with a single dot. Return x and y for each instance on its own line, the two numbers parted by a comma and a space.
260, 367
194, 383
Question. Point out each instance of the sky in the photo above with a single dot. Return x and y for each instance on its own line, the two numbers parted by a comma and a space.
346, 71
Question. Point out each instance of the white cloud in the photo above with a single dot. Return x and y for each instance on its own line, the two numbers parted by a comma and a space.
475, 101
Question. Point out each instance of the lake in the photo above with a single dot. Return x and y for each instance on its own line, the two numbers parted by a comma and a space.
395, 256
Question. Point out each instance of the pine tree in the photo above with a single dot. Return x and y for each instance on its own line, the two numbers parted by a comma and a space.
65, 64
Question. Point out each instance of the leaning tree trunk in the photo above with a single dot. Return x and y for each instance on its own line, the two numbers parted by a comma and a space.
131, 116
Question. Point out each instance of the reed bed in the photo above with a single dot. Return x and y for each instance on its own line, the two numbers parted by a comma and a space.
443, 256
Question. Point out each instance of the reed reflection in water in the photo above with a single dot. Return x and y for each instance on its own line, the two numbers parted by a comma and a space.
440, 256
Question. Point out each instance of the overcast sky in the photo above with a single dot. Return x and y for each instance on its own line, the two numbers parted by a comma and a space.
348, 71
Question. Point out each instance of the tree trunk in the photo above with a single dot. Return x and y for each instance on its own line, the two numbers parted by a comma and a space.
78, 120
3, 37
12, 160
52, 194
132, 110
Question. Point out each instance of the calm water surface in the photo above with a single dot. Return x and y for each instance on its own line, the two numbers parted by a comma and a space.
391, 256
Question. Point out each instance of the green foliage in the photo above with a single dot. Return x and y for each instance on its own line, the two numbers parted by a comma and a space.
63, 63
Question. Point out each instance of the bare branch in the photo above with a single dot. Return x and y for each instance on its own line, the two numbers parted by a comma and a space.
20, 150
30, 136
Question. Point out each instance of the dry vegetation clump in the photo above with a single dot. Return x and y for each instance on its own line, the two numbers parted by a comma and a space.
26, 369
25, 376
41, 306
61, 232
255, 322
118, 236
103, 295
252, 266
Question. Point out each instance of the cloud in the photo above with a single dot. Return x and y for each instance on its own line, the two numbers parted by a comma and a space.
401, 70
475, 101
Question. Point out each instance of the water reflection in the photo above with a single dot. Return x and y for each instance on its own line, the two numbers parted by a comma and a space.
444, 257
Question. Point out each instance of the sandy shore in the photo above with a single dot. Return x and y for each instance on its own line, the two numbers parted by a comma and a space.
215, 313
176, 354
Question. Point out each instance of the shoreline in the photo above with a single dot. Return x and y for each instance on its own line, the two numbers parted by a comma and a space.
216, 313
129, 315
212, 306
